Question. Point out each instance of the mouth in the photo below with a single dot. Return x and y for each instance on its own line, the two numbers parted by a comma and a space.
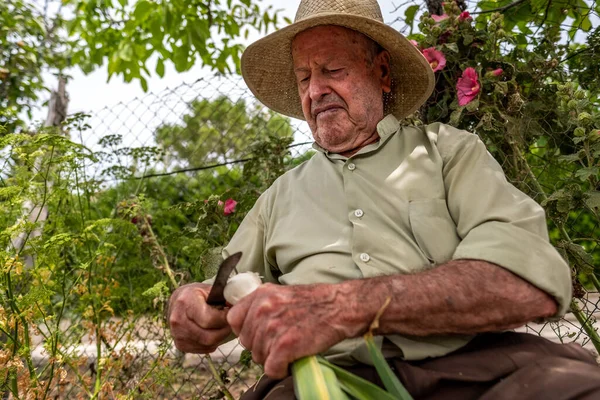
326, 111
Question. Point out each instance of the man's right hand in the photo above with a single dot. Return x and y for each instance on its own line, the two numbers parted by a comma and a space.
196, 326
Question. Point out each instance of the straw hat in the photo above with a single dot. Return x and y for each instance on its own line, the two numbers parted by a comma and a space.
267, 65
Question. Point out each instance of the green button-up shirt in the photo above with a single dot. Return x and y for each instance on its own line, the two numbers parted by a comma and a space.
417, 198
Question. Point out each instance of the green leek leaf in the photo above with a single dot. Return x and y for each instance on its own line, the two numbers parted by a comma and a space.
309, 382
335, 391
389, 379
355, 386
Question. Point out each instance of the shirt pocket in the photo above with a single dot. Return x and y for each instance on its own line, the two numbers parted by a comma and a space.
433, 229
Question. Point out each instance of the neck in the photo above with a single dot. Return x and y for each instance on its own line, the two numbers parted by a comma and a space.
372, 139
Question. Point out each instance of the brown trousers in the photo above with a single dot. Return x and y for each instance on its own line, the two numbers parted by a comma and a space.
492, 366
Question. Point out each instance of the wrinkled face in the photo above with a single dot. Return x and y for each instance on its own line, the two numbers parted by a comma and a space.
341, 80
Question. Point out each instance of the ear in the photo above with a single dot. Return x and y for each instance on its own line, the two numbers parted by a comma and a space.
383, 66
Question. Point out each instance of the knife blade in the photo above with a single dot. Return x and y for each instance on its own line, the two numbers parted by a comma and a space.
215, 297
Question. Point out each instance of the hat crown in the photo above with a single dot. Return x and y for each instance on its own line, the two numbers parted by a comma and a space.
364, 8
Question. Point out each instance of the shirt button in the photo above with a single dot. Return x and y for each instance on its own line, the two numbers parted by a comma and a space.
359, 213
351, 166
365, 257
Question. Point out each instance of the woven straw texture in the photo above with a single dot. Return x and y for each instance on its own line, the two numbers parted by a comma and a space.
267, 64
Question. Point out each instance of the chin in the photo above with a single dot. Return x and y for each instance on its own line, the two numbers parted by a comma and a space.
333, 133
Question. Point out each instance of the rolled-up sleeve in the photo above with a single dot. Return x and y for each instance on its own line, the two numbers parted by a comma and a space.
495, 221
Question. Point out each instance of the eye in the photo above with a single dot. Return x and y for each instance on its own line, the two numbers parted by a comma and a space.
333, 71
302, 78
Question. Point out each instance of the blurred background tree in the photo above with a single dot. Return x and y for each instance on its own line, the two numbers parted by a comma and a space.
217, 130
123, 36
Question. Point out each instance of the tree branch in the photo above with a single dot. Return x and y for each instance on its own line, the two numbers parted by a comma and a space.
577, 53
501, 9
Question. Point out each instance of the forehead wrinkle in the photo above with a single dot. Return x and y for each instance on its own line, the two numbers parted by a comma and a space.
312, 63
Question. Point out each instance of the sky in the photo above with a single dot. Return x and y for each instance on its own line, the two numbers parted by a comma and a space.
92, 92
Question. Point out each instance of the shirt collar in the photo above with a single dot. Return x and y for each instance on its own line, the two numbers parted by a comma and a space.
386, 128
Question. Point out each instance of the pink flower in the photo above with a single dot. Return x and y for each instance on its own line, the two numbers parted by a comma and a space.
465, 16
435, 58
439, 18
229, 206
467, 86
414, 42
497, 72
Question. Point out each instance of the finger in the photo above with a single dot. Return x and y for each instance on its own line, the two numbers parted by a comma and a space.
264, 336
189, 303
195, 340
281, 355
276, 366
205, 316
237, 314
260, 343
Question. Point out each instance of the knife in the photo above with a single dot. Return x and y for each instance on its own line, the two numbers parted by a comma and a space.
215, 297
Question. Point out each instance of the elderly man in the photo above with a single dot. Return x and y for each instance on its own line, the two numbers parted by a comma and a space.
421, 215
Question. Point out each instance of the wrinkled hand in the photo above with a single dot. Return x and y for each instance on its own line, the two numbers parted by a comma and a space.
281, 324
196, 327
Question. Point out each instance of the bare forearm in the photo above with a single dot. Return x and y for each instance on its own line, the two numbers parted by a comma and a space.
460, 297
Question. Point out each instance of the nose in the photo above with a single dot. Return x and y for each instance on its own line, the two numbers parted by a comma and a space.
318, 87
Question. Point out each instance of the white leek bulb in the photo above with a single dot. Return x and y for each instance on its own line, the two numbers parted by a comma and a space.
240, 286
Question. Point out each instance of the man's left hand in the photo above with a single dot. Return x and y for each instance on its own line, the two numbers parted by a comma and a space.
281, 324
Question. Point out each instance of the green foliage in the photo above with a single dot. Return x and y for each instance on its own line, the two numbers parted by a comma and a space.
131, 38
26, 47
218, 130
129, 34
104, 253
533, 106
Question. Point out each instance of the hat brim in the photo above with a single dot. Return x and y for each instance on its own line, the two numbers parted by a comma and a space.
267, 66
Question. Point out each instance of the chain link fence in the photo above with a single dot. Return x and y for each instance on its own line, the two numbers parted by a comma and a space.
201, 126
218, 110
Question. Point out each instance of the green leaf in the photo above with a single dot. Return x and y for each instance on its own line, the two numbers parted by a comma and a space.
593, 199
586, 24
355, 386
524, 28
473, 105
453, 47
60, 240
501, 88
180, 58
455, 116
159, 289
570, 158
160, 67
409, 15
9, 192
142, 9
309, 382
585, 173
389, 379
333, 386
582, 259
491, 5
144, 83
127, 53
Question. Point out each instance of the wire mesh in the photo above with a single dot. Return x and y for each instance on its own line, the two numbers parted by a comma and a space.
138, 354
